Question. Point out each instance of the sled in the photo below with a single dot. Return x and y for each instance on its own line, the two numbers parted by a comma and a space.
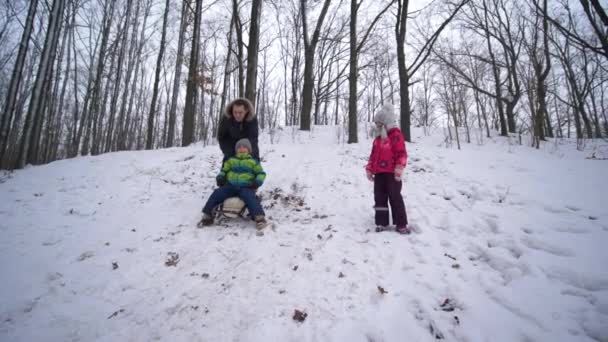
232, 208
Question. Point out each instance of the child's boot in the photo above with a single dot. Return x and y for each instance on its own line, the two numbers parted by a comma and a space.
207, 220
260, 222
381, 228
403, 230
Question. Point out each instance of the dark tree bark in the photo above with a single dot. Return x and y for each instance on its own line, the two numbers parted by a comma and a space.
238, 27
593, 9
578, 85
99, 119
28, 151
355, 49
159, 61
110, 140
309, 57
129, 92
227, 72
15, 83
541, 73
53, 123
191, 91
252, 50
405, 72
125, 139
93, 112
179, 60
72, 145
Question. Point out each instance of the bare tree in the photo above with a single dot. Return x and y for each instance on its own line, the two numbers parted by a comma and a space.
121, 57
598, 19
579, 81
15, 82
330, 50
238, 29
126, 140
355, 49
161, 51
188, 122
179, 60
406, 73
28, 151
309, 61
493, 22
252, 50
541, 64
129, 92
424, 99
227, 71
57, 97
95, 90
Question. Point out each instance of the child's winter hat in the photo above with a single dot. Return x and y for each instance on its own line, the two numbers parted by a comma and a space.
386, 115
243, 142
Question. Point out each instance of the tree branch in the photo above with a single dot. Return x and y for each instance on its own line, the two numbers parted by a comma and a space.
428, 46
371, 26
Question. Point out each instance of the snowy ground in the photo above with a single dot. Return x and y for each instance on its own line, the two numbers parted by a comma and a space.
509, 244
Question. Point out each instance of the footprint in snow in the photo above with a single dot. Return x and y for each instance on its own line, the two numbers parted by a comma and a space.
543, 246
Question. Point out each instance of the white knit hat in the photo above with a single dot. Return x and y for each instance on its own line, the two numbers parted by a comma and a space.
386, 115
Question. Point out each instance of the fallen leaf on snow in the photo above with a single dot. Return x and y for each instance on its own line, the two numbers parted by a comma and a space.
299, 316
172, 260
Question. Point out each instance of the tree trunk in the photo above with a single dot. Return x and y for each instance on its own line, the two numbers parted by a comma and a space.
404, 78
310, 46
110, 140
496, 74
355, 48
178, 74
252, 50
307, 91
15, 83
352, 76
136, 59
159, 61
227, 72
98, 123
29, 149
56, 109
95, 92
129, 92
72, 145
191, 91
238, 26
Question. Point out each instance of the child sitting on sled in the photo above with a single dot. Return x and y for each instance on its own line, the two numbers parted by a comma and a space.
240, 176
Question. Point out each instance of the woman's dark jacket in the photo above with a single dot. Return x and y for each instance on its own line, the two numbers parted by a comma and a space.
230, 131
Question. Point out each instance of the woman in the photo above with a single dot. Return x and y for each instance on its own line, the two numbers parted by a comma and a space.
238, 122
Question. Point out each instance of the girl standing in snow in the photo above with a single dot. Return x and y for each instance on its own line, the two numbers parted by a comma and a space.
385, 168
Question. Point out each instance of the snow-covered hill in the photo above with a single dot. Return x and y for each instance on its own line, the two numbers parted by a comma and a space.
509, 244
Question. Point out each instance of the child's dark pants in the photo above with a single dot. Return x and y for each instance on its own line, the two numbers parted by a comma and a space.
246, 194
386, 189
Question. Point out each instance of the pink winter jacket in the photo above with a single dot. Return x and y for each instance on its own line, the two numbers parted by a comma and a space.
388, 154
